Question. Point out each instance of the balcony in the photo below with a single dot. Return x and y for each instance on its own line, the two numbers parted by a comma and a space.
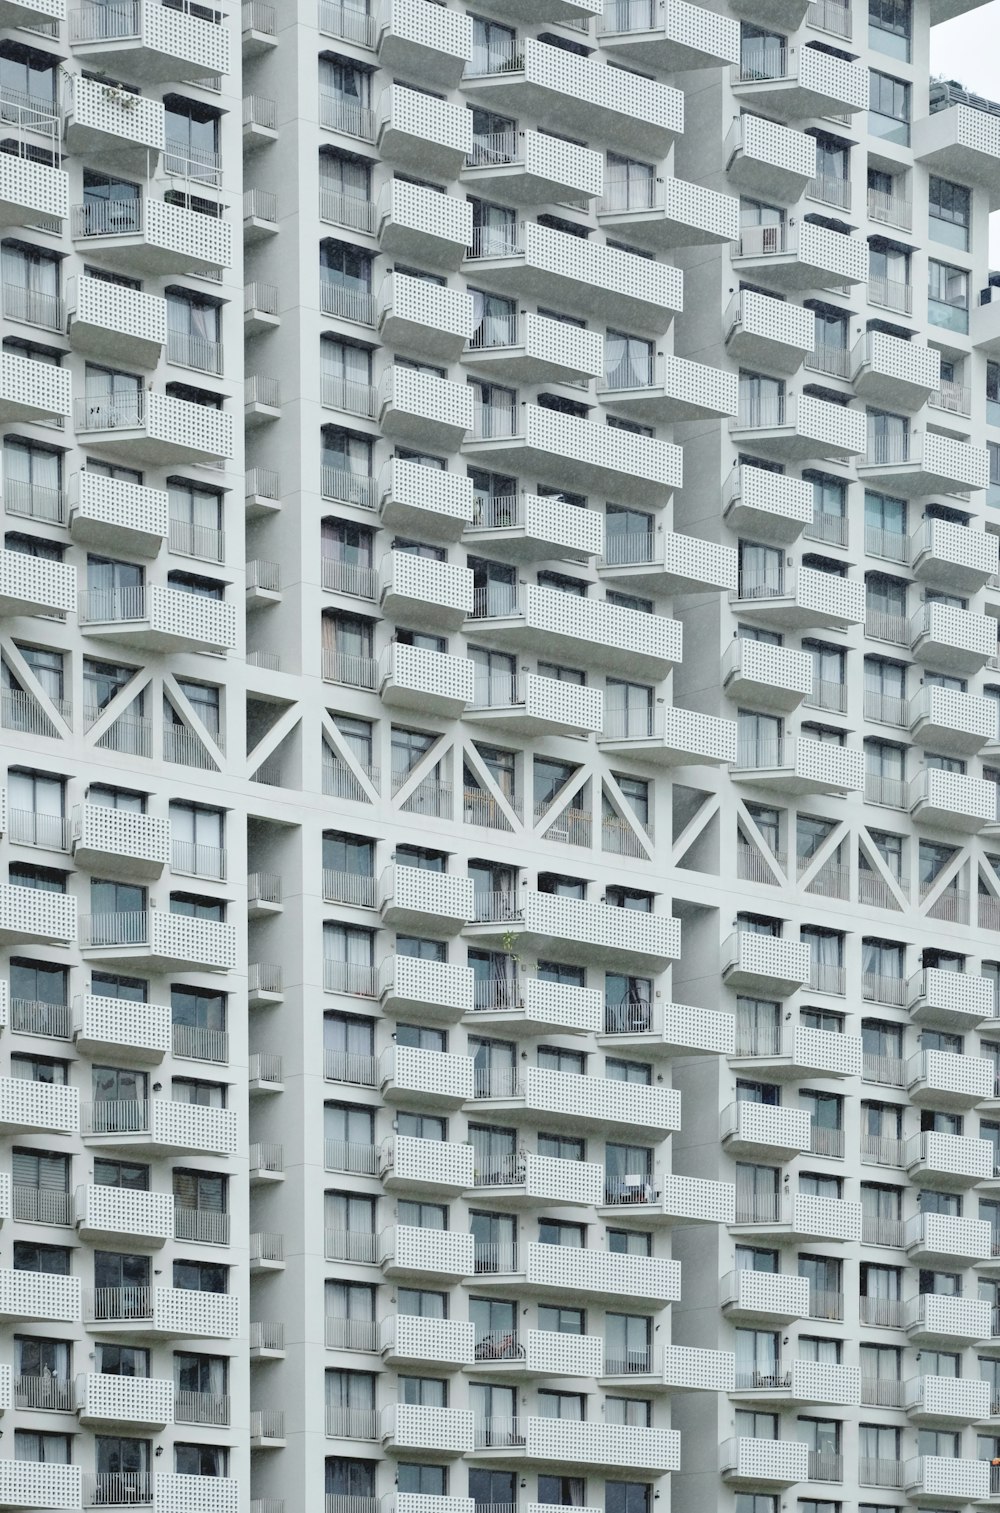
940, 1240
668, 737
768, 506
35, 585
424, 317
33, 916
529, 705
567, 1100
105, 1214
768, 159
32, 391
133, 1401
686, 37
436, 505
162, 1312
799, 82
408, 1426
800, 599
666, 1029
769, 1462
133, 845
536, 526
667, 390
949, 999
156, 618
800, 766
598, 934
529, 348
952, 801
755, 1128
421, 41
668, 1200
802, 1382
540, 1352
111, 513
441, 1253
946, 1080
31, 12
775, 335
209, 1494
582, 454
32, 191
155, 427
575, 13
668, 213
38, 1107
149, 41
434, 682
415, 1078
160, 1126
580, 1443
414, 899
797, 427
407, 1340
953, 1161
412, 1165
952, 640
39, 1296
932, 1399
116, 323
948, 1479
424, 593
792, 1218
946, 720
801, 255
529, 1181
420, 408
788, 15
922, 462
33, 1484
939, 1319
530, 168
559, 626
765, 964
577, 96
892, 371
580, 277
107, 121
417, 222
665, 562
953, 557
147, 236
527, 1006
433, 989
795, 1051
961, 143
121, 1027
163, 941
425, 135
759, 1296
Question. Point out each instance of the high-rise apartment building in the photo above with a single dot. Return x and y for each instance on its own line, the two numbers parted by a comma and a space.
501, 908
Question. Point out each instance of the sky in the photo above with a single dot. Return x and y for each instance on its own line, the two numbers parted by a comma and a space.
968, 49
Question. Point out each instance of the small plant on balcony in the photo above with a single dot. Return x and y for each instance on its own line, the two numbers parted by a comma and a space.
116, 95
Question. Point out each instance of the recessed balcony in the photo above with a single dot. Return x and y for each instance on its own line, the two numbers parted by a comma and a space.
557, 626
31, 191
530, 168
149, 41
949, 999
159, 1126
434, 504
892, 371
160, 939
162, 1312
121, 1027
947, 1478
756, 1128
563, 449
953, 557
33, 916
577, 96
111, 513
417, 222
434, 989
35, 585
667, 213
949, 721
593, 933
687, 36
801, 255
798, 427
33, 1484
961, 143
38, 1107
416, 1078
117, 323
407, 1251
132, 1401
764, 1462
953, 1161
133, 845
424, 42
421, 316
944, 1241
668, 737
760, 1296
529, 348
950, 639
771, 333
768, 506
668, 389
424, 593
413, 899
530, 1181
411, 677
763, 157
528, 1006
106, 1214
944, 1079
765, 676
952, 801
527, 704
407, 1340
421, 408
938, 1319
106, 120
765, 963
799, 598
412, 1165
794, 83
148, 236
578, 276
422, 133
157, 618
157, 428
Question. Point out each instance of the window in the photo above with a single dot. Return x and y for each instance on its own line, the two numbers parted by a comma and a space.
889, 108
947, 296
31, 281
890, 27
949, 208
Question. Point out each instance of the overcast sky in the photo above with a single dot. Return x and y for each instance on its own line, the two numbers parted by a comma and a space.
968, 49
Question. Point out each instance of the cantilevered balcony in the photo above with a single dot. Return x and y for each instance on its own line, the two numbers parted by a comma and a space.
34, 1484
760, 1130
421, 592
801, 255
32, 390
946, 1479
564, 1100
427, 501
407, 1250
415, 1078
765, 158
794, 83
149, 41
952, 640
949, 999
159, 1126
892, 371
162, 1312
34, 916
792, 1381
578, 276
531, 1181
949, 721
666, 213
951, 800
536, 527
952, 1161
409, 1164
922, 462
530, 168
673, 37
420, 407
764, 1297
953, 557
576, 96
527, 1353
594, 933
31, 12
422, 133
524, 1006
157, 428
418, 222
112, 513
31, 192
414, 899
665, 562
120, 1027
162, 940
937, 1399
424, 42
939, 1319
580, 12
791, 1051
798, 427
41, 1108
105, 1214
791, 1218
411, 677
151, 237
961, 143
132, 845
579, 1443
421, 316
554, 625
666, 389
434, 989
107, 121
799, 598
563, 449
773, 334
764, 1462
412, 1341
112, 321
768, 506
529, 348
35, 585
765, 963
527, 704
944, 1079
767, 677
666, 736
157, 618
939, 1240
132, 1401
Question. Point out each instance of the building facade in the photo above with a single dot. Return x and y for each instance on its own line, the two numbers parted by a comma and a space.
622, 881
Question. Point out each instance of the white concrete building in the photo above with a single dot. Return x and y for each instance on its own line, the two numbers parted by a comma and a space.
501, 918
